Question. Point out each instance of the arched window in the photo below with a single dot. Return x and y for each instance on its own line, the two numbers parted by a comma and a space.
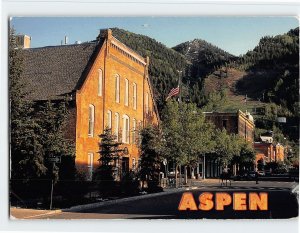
125, 131
134, 131
126, 92
100, 81
91, 120
117, 126
109, 124
134, 97
117, 88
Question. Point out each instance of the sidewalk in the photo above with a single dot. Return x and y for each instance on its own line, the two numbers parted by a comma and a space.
21, 213
261, 183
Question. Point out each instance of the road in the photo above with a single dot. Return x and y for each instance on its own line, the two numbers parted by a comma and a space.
282, 204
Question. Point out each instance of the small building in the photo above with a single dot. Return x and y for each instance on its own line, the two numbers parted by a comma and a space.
268, 152
106, 84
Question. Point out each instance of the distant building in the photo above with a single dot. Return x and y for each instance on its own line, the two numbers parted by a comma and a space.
268, 152
234, 123
239, 123
107, 85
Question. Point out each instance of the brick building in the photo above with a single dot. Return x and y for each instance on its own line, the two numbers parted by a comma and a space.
107, 85
234, 122
268, 152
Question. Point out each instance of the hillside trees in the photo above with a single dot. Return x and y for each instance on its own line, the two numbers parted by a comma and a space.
275, 62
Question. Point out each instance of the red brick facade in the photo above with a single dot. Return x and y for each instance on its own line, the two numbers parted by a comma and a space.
234, 123
124, 103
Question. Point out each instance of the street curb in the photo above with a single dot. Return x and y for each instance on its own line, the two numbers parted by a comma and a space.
118, 201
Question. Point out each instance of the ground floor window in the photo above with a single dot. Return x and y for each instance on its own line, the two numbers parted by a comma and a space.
90, 166
125, 131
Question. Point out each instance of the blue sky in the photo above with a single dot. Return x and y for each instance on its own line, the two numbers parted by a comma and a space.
236, 35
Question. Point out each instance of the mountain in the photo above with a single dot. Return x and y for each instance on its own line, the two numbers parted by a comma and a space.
268, 73
204, 57
265, 78
273, 70
196, 59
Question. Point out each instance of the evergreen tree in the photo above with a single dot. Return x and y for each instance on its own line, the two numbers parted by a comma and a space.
109, 154
52, 118
27, 155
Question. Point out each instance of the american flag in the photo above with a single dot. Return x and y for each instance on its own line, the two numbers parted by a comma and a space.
173, 92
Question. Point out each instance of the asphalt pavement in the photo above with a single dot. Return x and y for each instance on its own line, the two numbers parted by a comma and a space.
282, 203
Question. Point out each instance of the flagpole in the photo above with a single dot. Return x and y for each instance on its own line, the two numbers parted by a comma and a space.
179, 101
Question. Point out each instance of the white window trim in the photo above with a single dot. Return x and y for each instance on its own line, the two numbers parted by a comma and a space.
109, 119
134, 96
117, 125
100, 82
134, 131
126, 134
91, 121
126, 92
117, 88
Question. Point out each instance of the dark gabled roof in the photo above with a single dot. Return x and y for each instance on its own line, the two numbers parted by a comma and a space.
54, 71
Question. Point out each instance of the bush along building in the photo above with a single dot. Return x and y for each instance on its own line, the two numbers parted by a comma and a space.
106, 85
238, 123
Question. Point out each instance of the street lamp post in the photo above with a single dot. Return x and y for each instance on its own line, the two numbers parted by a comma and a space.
203, 168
